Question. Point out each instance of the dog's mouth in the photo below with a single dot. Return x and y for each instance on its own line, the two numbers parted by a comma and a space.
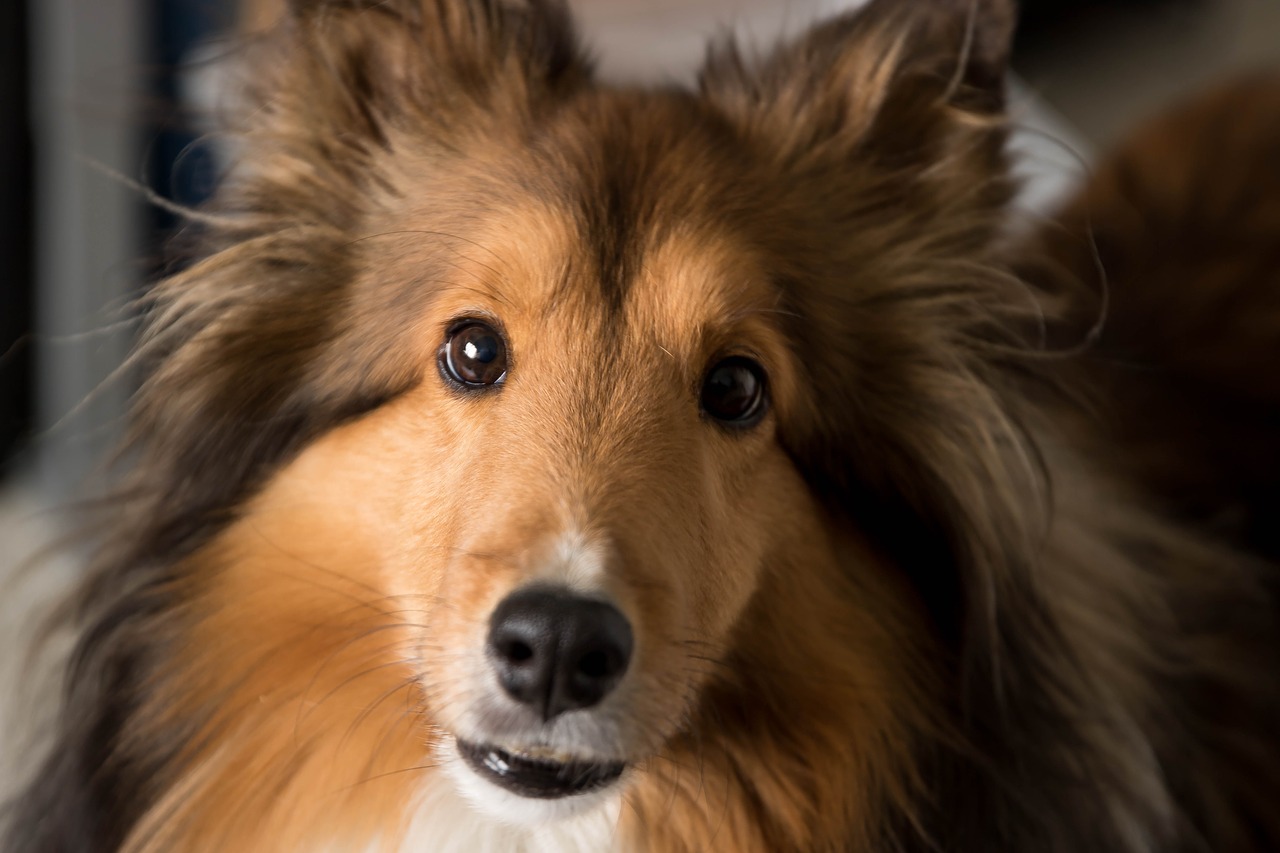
539, 773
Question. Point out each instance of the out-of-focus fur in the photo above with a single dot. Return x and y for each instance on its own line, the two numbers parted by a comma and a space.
992, 574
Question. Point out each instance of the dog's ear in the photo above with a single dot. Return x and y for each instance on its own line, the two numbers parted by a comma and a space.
363, 68
884, 80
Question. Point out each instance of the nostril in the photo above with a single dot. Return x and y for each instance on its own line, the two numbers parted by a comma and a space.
595, 665
515, 651
598, 651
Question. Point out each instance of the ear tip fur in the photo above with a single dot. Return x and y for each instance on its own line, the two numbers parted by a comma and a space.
963, 45
988, 26
994, 24
974, 36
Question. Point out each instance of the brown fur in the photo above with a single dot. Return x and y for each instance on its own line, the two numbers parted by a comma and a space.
928, 603
1183, 374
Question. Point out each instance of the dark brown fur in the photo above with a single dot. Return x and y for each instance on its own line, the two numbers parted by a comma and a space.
1183, 373
1082, 634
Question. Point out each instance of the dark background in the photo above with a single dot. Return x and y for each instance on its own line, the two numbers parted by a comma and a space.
16, 284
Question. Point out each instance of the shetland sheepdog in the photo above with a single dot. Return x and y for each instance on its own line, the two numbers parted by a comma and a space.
527, 464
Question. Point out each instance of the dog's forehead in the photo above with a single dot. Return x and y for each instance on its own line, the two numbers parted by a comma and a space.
650, 192
620, 212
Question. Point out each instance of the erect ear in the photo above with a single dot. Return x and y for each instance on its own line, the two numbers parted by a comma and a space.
346, 67
884, 69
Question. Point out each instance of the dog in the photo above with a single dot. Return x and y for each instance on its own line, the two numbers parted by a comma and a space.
526, 464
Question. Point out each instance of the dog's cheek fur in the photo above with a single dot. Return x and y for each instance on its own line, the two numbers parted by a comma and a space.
782, 756
291, 675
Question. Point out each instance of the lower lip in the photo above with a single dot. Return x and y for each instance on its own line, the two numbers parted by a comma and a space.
538, 778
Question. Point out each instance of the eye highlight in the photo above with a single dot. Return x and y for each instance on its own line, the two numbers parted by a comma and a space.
474, 356
733, 392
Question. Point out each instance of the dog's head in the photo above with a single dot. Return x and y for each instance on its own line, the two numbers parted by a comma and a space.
587, 376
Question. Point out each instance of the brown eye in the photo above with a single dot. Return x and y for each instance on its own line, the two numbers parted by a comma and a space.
475, 356
734, 392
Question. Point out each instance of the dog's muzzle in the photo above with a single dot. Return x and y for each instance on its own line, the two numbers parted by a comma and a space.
552, 652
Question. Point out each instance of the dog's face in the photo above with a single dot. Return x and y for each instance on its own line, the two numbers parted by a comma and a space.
574, 374
587, 481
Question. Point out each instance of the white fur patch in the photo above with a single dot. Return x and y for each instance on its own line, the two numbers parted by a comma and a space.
579, 563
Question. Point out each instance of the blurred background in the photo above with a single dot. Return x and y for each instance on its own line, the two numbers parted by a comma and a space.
102, 99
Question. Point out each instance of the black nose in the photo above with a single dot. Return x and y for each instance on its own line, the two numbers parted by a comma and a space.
555, 651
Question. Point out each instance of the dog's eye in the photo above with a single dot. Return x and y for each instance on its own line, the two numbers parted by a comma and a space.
475, 356
734, 392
